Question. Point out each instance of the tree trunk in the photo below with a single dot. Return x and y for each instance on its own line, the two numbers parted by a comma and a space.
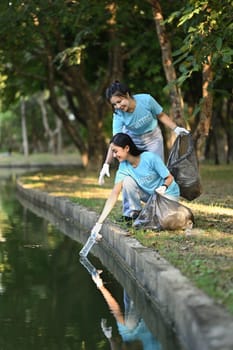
211, 147
87, 104
51, 134
226, 115
59, 140
175, 93
24, 128
92, 107
203, 126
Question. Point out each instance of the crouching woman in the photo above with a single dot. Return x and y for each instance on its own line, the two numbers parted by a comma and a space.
140, 174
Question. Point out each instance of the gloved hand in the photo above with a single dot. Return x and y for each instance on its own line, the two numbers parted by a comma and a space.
106, 330
161, 189
178, 130
95, 231
104, 172
97, 279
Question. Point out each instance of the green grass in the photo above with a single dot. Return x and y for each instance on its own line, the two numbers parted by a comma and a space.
205, 256
39, 158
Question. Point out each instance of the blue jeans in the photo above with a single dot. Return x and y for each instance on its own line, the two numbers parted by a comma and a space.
132, 196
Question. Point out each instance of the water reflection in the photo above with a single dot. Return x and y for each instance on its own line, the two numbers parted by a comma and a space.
45, 296
134, 333
61, 302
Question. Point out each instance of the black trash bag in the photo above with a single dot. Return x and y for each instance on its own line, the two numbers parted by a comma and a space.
163, 213
182, 164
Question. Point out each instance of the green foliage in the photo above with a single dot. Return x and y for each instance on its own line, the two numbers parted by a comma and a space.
69, 47
46, 42
207, 26
9, 131
70, 34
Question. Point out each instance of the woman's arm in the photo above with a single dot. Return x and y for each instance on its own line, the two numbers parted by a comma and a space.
105, 169
112, 303
110, 202
168, 180
166, 120
109, 156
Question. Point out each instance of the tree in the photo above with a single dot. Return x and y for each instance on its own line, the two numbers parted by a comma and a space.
170, 73
74, 49
24, 128
47, 60
207, 47
53, 135
57, 42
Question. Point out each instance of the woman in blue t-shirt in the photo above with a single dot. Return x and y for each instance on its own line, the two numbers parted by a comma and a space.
138, 116
139, 175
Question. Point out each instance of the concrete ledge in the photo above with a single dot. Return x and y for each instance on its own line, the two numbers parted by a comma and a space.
197, 319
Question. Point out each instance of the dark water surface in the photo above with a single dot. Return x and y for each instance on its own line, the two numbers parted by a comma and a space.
49, 300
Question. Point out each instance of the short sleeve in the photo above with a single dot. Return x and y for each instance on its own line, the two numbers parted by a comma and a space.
154, 106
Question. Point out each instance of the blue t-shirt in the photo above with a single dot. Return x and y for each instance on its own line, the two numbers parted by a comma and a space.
149, 174
142, 120
140, 332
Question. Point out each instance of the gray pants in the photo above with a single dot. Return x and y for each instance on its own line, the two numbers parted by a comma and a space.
153, 142
132, 196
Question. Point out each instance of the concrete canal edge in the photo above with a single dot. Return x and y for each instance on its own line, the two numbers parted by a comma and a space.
197, 319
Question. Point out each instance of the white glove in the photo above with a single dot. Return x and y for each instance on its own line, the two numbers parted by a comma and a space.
161, 189
106, 330
104, 172
95, 231
178, 130
97, 279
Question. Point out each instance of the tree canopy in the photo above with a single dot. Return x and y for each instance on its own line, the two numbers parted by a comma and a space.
74, 49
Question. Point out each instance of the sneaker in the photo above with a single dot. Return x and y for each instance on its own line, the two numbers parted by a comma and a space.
128, 220
134, 214
124, 219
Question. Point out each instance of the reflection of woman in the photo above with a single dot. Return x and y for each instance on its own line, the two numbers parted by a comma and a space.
133, 330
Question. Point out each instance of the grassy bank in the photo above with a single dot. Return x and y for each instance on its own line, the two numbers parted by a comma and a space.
18, 159
205, 256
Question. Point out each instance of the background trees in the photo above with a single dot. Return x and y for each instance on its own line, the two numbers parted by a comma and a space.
69, 51
207, 48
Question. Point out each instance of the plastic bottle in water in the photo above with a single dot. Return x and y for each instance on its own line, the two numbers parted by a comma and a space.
88, 265
88, 245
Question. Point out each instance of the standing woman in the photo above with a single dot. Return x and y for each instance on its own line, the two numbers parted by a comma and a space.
137, 115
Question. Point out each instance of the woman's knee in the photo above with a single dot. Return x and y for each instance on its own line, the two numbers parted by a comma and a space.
129, 183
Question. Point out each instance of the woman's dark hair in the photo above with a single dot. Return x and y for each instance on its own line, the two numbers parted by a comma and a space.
117, 89
122, 140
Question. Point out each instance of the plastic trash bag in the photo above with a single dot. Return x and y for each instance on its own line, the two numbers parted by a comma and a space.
182, 164
163, 213
148, 219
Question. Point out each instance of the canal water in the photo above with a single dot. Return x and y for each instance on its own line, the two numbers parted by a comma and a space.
49, 298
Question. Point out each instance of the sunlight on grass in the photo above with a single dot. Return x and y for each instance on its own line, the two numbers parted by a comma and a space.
94, 194
67, 185
209, 209
76, 186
